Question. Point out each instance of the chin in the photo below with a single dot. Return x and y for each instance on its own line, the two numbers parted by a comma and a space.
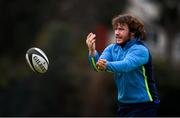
119, 42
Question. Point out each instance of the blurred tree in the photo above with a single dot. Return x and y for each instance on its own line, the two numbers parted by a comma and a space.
20, 21
169, 20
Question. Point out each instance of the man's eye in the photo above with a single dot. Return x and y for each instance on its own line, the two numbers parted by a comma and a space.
121, 29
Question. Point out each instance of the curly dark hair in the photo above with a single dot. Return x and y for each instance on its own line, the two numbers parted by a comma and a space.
134, 24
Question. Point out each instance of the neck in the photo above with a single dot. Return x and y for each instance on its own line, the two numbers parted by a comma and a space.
124, 43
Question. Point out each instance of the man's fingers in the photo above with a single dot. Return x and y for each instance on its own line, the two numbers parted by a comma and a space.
101, 67
90, 39
98, 64
89, 35
90, 44
101, 64
102, 60
92, 36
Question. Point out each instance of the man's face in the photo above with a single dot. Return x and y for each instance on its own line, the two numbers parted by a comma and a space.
122, 33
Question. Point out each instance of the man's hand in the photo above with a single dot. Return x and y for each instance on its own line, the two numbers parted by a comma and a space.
101, 64
90, 41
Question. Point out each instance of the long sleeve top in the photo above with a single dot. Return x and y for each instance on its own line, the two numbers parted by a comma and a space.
132, 68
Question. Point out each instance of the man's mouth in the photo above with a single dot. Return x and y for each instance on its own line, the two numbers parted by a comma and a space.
118, 38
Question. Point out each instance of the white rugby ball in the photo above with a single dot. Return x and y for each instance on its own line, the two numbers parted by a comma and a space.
37, 60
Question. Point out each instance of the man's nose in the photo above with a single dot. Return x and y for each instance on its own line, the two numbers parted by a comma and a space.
117, 32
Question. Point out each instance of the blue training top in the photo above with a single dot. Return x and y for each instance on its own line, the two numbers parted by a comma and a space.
132, 67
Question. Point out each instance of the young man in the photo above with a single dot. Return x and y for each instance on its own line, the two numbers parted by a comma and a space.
130, 61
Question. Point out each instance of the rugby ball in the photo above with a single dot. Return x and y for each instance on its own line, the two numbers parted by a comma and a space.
37, 60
